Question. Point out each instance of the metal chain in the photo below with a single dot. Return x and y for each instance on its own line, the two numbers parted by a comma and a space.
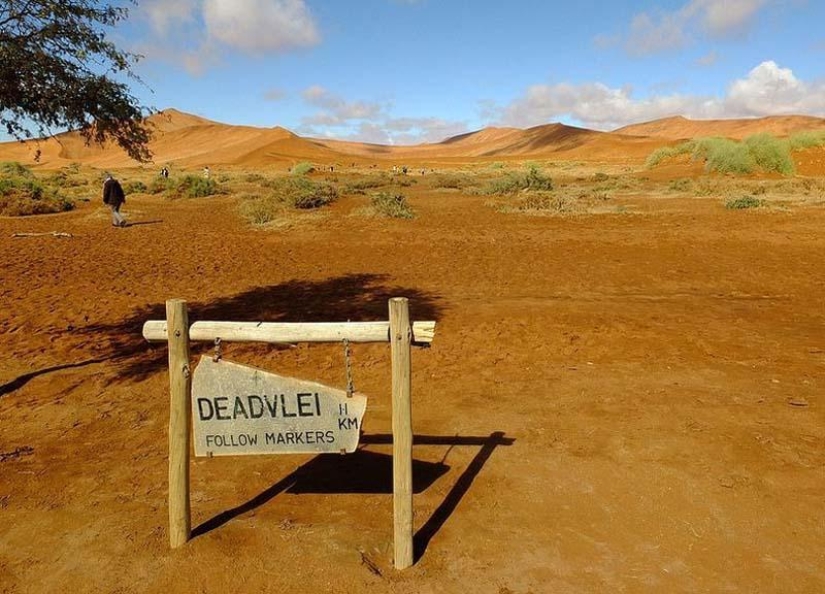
348, 361
218, 350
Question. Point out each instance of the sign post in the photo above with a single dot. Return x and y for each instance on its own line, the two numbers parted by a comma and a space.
180, 389
401, 432
232, 404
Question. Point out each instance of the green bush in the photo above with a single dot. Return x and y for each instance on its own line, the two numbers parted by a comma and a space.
544, 201
261, 210
516, 181
15, 169
22, 196
28, 187
392, 205
743, 203
724, 155
667, 152
451, 181
680, 185
134, 187
770, 153
805, 140
320, 194
303, 168
360, 186
195, 186
303, 193
160, 185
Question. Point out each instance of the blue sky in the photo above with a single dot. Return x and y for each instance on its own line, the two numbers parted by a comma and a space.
408, 71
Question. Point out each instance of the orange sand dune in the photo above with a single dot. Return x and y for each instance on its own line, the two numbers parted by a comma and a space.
186, 140
679, 127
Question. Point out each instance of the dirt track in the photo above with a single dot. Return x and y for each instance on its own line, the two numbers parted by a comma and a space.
613, 403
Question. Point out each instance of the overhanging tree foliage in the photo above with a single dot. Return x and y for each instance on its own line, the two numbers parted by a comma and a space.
58, 70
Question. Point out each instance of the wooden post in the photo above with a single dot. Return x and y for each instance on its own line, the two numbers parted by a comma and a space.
401, 433
180, 395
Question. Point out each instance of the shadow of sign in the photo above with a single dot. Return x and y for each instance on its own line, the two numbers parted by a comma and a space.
362, 472
371, 472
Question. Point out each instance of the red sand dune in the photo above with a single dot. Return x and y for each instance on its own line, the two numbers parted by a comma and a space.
678, 127
189, 140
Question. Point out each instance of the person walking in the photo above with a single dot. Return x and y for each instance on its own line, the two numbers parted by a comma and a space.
114, 197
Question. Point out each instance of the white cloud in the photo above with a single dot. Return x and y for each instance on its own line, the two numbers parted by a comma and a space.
334, 110
648, 36
766, 90
363, 121
724, 17
260, 25
665, 30
194, 32
769, 89
708, 59
163, 14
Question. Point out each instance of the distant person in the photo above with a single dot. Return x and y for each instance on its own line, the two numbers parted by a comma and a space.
206, 172
114, 197
164, 172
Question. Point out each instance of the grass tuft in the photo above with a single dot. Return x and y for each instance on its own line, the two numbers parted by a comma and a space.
743, 202
394, 206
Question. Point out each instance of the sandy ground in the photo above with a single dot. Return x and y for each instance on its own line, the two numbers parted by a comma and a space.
613, 403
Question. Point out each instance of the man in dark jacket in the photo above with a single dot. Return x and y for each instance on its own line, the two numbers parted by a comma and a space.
113, 196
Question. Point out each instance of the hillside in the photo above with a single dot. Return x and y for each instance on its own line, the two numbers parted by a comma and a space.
187, 140
678, 127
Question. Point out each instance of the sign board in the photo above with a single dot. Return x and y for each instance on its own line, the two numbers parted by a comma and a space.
238, 410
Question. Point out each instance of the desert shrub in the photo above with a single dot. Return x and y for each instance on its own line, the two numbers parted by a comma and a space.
361, 185
392, 205
517, 181
451, 181
22, 186
135, 187
406, 182
544, 201
22, 196
15, 205
15, 169
680, 185
303, 168
743, 202
667, 152
259, 210
724, 155
770, 153
600, 177
805, 140
67, 177
537, 202
160, 184
253, 178
195, 186
320, 194
303, 193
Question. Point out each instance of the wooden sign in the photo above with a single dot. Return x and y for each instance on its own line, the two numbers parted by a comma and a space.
238, 410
